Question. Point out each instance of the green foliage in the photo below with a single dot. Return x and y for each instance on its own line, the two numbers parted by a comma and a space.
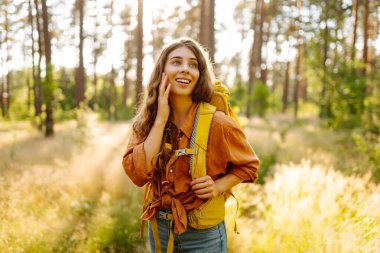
19, 108
59, 90
65, 94
260, 98
343, 103
347, 97
275, 100
371, 117
267, 162
369, 145
49, 85
238, 97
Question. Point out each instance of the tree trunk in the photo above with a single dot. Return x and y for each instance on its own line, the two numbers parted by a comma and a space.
212, 30
6, 89
98, 48
325, 95
30, 19
105, 96
2, 87
207, 30
139, 68
113, 95
355, 9
373, 31
125, 76
80, 77
298, 61
48, 83
94, 100
38, 94
365, 30
339, 17
297, 82
255, 57
285, 93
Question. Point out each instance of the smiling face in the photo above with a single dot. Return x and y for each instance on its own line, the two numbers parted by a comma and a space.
181, 67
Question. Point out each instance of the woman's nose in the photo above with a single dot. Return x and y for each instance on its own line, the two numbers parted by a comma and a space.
185, 68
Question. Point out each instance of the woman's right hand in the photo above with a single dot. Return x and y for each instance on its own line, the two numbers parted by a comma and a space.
163, 110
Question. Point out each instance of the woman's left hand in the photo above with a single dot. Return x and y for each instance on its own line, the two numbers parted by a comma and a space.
204, 187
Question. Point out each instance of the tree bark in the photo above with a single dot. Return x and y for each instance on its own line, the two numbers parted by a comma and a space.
298, 60
207, 30
125, 76
7, 89
80, 77
373, 30
98, 43
30, 20
139, 69
285, 92
325, 97
2, 87
94, 100
38, 94
365, 30
355, 9
48, 83
255, 57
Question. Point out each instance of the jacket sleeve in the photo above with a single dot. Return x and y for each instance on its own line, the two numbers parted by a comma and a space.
134, 162
242, 160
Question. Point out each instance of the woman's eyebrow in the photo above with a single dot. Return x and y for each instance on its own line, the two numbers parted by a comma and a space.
179, 57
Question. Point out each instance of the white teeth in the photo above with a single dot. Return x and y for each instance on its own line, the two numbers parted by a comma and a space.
183, 81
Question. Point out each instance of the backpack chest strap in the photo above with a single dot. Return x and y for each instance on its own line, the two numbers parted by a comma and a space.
178, 153
185, 151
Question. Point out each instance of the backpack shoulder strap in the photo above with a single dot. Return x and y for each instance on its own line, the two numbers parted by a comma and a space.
199, 139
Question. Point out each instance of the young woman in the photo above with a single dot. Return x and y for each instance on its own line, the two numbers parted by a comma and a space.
182, 79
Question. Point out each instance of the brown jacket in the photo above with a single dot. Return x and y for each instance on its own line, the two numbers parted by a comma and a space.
228, 152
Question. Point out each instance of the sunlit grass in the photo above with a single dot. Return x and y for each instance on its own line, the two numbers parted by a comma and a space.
280, 139
306, 208
81, 201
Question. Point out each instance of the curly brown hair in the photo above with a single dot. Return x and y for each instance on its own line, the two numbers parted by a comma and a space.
147, 112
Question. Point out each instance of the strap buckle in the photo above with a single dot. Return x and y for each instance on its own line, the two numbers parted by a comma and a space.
164, 215
181, 152
186, 151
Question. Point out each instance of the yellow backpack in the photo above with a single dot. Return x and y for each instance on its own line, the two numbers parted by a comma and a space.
211, 212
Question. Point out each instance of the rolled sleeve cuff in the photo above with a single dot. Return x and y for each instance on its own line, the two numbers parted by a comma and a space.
135, 165
248, 175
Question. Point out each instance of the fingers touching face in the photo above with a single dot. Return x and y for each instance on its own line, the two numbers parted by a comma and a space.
164, 88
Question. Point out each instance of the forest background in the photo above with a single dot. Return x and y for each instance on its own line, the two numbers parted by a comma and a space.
304, 80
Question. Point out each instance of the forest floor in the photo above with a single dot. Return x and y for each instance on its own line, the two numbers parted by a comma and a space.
70, 194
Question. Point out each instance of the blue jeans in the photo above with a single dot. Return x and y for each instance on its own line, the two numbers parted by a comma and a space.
210, 240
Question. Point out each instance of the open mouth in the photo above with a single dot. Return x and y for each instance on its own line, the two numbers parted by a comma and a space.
182, 80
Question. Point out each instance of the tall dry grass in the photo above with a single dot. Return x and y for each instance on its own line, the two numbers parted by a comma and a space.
280, 139
68, 194
305, 208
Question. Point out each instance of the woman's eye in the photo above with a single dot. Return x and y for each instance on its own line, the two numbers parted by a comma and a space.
176, 63
193, 65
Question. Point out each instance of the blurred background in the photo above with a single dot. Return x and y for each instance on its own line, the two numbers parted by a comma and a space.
304, 80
